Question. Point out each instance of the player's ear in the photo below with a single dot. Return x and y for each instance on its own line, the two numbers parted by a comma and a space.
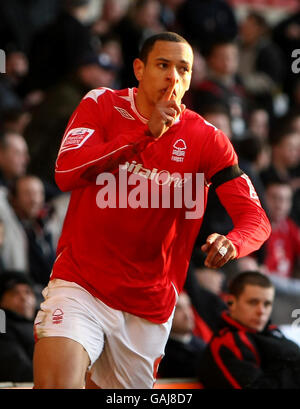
138, 68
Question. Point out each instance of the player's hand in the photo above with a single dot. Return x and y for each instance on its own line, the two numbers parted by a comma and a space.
219, 250
165, 113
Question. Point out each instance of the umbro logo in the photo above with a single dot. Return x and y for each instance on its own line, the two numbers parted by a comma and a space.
124, 113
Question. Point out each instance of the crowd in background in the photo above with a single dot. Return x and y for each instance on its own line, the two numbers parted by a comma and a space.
243, 83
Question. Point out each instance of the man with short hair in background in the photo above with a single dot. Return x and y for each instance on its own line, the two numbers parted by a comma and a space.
247, 352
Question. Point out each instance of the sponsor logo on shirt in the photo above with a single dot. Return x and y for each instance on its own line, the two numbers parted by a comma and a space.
75, 138
178, 153
160, 177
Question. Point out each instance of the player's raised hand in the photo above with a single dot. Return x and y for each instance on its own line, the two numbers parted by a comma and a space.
165, 112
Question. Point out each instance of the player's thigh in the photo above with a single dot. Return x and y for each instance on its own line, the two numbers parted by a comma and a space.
68, 333
131, 354
59, 362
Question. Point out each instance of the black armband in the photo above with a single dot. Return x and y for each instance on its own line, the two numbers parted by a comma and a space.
225, 175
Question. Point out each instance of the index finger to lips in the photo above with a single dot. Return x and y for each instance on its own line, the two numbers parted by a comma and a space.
168, 94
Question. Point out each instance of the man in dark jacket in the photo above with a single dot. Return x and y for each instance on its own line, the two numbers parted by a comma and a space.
247, 352
18, 305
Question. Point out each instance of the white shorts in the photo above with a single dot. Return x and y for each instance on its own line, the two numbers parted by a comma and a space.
124, 350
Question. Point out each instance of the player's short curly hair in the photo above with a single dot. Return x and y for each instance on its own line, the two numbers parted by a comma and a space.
164, 36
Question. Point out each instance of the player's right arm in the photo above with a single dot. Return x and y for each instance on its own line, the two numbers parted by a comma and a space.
85, 151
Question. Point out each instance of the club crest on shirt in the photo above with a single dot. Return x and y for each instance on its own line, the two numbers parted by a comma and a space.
178, 152
57, 316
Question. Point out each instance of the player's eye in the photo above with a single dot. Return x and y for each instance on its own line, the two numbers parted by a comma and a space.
162, 65
183, 70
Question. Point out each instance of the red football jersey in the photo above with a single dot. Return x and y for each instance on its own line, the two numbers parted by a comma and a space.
135, 258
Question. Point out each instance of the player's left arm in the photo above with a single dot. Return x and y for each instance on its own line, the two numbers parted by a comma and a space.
238, 196
251, 225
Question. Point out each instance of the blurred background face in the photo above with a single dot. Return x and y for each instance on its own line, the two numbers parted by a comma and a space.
16, 65
14, 156
147, 16
287, 151
224, 59
183, 321
253, 307
93, 76
210, 279
220, 121
259, 123
114, 10
251, 31
30, 197
20, 299
279, 202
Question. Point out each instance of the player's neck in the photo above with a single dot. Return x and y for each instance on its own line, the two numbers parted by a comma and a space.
142, 104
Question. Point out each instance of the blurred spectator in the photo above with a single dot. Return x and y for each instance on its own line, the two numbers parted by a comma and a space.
170, 10
282, 249
14, 157
58, 209
141, 21
112, 13
59, 103
259, 123
14, 250
57, 48
199, 74
223, 85
15, 120
183, 349
254, 157
218, 115
285, 155
16, 69
285, 144
260, 65
206, 21
111, 46
210, 279
256, 152
27, 200
207, 305
18, 301
247, 352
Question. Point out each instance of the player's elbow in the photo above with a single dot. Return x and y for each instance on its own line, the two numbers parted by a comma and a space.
62, 182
